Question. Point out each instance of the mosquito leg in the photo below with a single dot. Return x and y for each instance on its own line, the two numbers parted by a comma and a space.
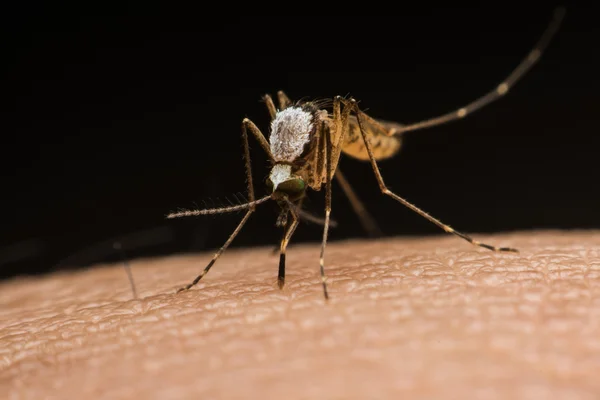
218, 253
297, 207
284, 243
306, 216
341, 125
328, 153
284, 101
386, 191
284, 213
251, 126
246, 123
366, 220
270, 105
341, 119
503, 88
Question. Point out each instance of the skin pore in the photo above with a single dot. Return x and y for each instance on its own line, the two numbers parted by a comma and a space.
408, 318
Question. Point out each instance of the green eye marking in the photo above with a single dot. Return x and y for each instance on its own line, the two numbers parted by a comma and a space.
295, 185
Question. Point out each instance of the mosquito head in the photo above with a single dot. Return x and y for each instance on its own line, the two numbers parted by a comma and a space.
284, 184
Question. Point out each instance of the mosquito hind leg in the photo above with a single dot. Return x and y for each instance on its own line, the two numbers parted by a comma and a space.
248, 125
501, 89
386, 191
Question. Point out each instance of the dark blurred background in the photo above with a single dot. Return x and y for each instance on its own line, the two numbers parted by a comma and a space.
110, 122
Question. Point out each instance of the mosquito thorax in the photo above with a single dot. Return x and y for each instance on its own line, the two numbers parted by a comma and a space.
291, 131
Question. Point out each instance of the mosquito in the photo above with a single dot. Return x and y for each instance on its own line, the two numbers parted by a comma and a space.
306, 142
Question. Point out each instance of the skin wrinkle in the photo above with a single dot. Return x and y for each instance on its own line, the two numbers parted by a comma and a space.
414, 317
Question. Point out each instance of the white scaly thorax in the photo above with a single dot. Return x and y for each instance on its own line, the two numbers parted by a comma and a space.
290, 131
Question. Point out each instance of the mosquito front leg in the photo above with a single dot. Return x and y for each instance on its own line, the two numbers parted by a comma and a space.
270, 105
284, 243
386, 191
307, 217
218, 253
284, 101
252, 206
251, 126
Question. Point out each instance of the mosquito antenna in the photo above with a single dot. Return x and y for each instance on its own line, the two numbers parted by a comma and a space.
219, 210
117, 246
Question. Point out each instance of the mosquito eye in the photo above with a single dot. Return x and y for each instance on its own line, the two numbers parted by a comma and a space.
291, 186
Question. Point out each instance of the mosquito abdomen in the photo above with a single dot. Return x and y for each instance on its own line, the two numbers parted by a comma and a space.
383, 146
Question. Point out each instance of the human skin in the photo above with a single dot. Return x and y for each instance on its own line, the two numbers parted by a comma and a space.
408, 318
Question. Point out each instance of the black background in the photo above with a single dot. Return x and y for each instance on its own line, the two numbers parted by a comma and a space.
110, 122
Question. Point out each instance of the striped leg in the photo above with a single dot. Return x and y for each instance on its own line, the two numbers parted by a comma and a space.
386, 191
284, 243
328, 160
245, 125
